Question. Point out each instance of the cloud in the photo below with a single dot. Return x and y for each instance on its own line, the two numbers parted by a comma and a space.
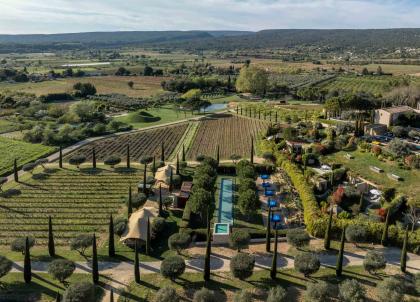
40, 16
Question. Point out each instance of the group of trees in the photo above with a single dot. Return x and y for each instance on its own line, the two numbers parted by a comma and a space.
205, 84
248, 200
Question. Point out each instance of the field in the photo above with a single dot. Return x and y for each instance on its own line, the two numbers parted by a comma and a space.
78, 202
143, 86
361, 162
23, 152
374, 85
231, 133
143, 143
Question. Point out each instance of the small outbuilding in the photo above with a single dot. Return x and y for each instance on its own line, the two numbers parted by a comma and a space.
137, 224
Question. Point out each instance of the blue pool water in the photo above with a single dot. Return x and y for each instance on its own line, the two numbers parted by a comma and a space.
222, 228
226, 201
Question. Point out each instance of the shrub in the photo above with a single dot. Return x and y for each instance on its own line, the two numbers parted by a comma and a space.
167, 294
81, 243
10, 193
137, 200
77, 160
204, 295
298, 238
399, 131
120, 224
112, 160
248, 202
307, 263
172, 267
18, 245
277, 294
355, 233
242, 296
351, 290
391, 290
239, 239
179, 241
158, 225
374, 261
398, 147
79, 292
5, 266
29, 167
317, 292
61, 269
376, 150
242, 265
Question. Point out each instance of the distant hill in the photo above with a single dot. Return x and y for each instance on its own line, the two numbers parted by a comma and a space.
323, 40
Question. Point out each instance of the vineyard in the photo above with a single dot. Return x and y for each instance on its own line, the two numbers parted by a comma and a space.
231, 133
374, 85
78, 202
144, 143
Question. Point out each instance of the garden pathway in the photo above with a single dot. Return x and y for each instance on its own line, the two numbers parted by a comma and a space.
120, 274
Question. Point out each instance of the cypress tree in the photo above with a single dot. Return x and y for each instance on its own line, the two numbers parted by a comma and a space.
15, 171
58, 297
128, 156
94, 158
241, 110
361, 203
136, 263
177, 165
111, 245
154, 166
111, 297
327, 238
252, 150
144, 178
404, 252
237, 110
183, 153
384, 239
171, 179
259, 114
160, 201
148, 237
268, 232
60, 158
95, 272
51, 247
162, 153
218, 154
208, 250
273, 272
276, 117
27, 270
339, 266
129, 205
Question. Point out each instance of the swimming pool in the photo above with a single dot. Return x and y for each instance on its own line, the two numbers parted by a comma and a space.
226, 201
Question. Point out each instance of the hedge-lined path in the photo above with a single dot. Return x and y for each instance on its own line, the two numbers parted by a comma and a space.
120, 274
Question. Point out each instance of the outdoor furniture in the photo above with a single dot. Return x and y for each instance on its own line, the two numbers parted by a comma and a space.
376, 169
394, 177
266, 184
269, 193
264, 176
349, 156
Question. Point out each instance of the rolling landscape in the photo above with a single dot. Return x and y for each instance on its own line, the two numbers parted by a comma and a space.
235, 151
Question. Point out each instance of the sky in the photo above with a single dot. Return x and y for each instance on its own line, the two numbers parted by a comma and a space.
63, 16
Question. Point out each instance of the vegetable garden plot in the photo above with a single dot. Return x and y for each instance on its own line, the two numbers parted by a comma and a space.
232, 134
144, 143
77, 202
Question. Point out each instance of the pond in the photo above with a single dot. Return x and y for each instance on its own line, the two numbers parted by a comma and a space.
214, 107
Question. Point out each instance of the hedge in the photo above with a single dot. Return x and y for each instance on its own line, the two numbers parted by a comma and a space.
316, 222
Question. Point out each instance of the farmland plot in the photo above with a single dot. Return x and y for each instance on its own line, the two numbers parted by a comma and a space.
77, 201
231, 133
144, 143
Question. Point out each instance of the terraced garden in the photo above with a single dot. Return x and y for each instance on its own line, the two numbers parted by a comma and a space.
144, 143
78, 202
232, 134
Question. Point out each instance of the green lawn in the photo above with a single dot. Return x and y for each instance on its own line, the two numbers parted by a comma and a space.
7, 126
22, 151
225, 285
166, 115
361, 162
42, 288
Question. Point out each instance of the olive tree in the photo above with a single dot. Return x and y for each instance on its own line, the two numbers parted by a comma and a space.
242, 265
374, 261
239, 239
242, 296
166, 294
112, 160
18, 245
306, 263
79, 292
391, 290
205, 295
61, 269
298, 238
355, 233
277, 294
317, 292
120, 225
351, 290
172, 267
77, 160
81, 243
179, 242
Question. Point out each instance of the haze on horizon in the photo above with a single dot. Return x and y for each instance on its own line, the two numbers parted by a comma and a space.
65, 16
